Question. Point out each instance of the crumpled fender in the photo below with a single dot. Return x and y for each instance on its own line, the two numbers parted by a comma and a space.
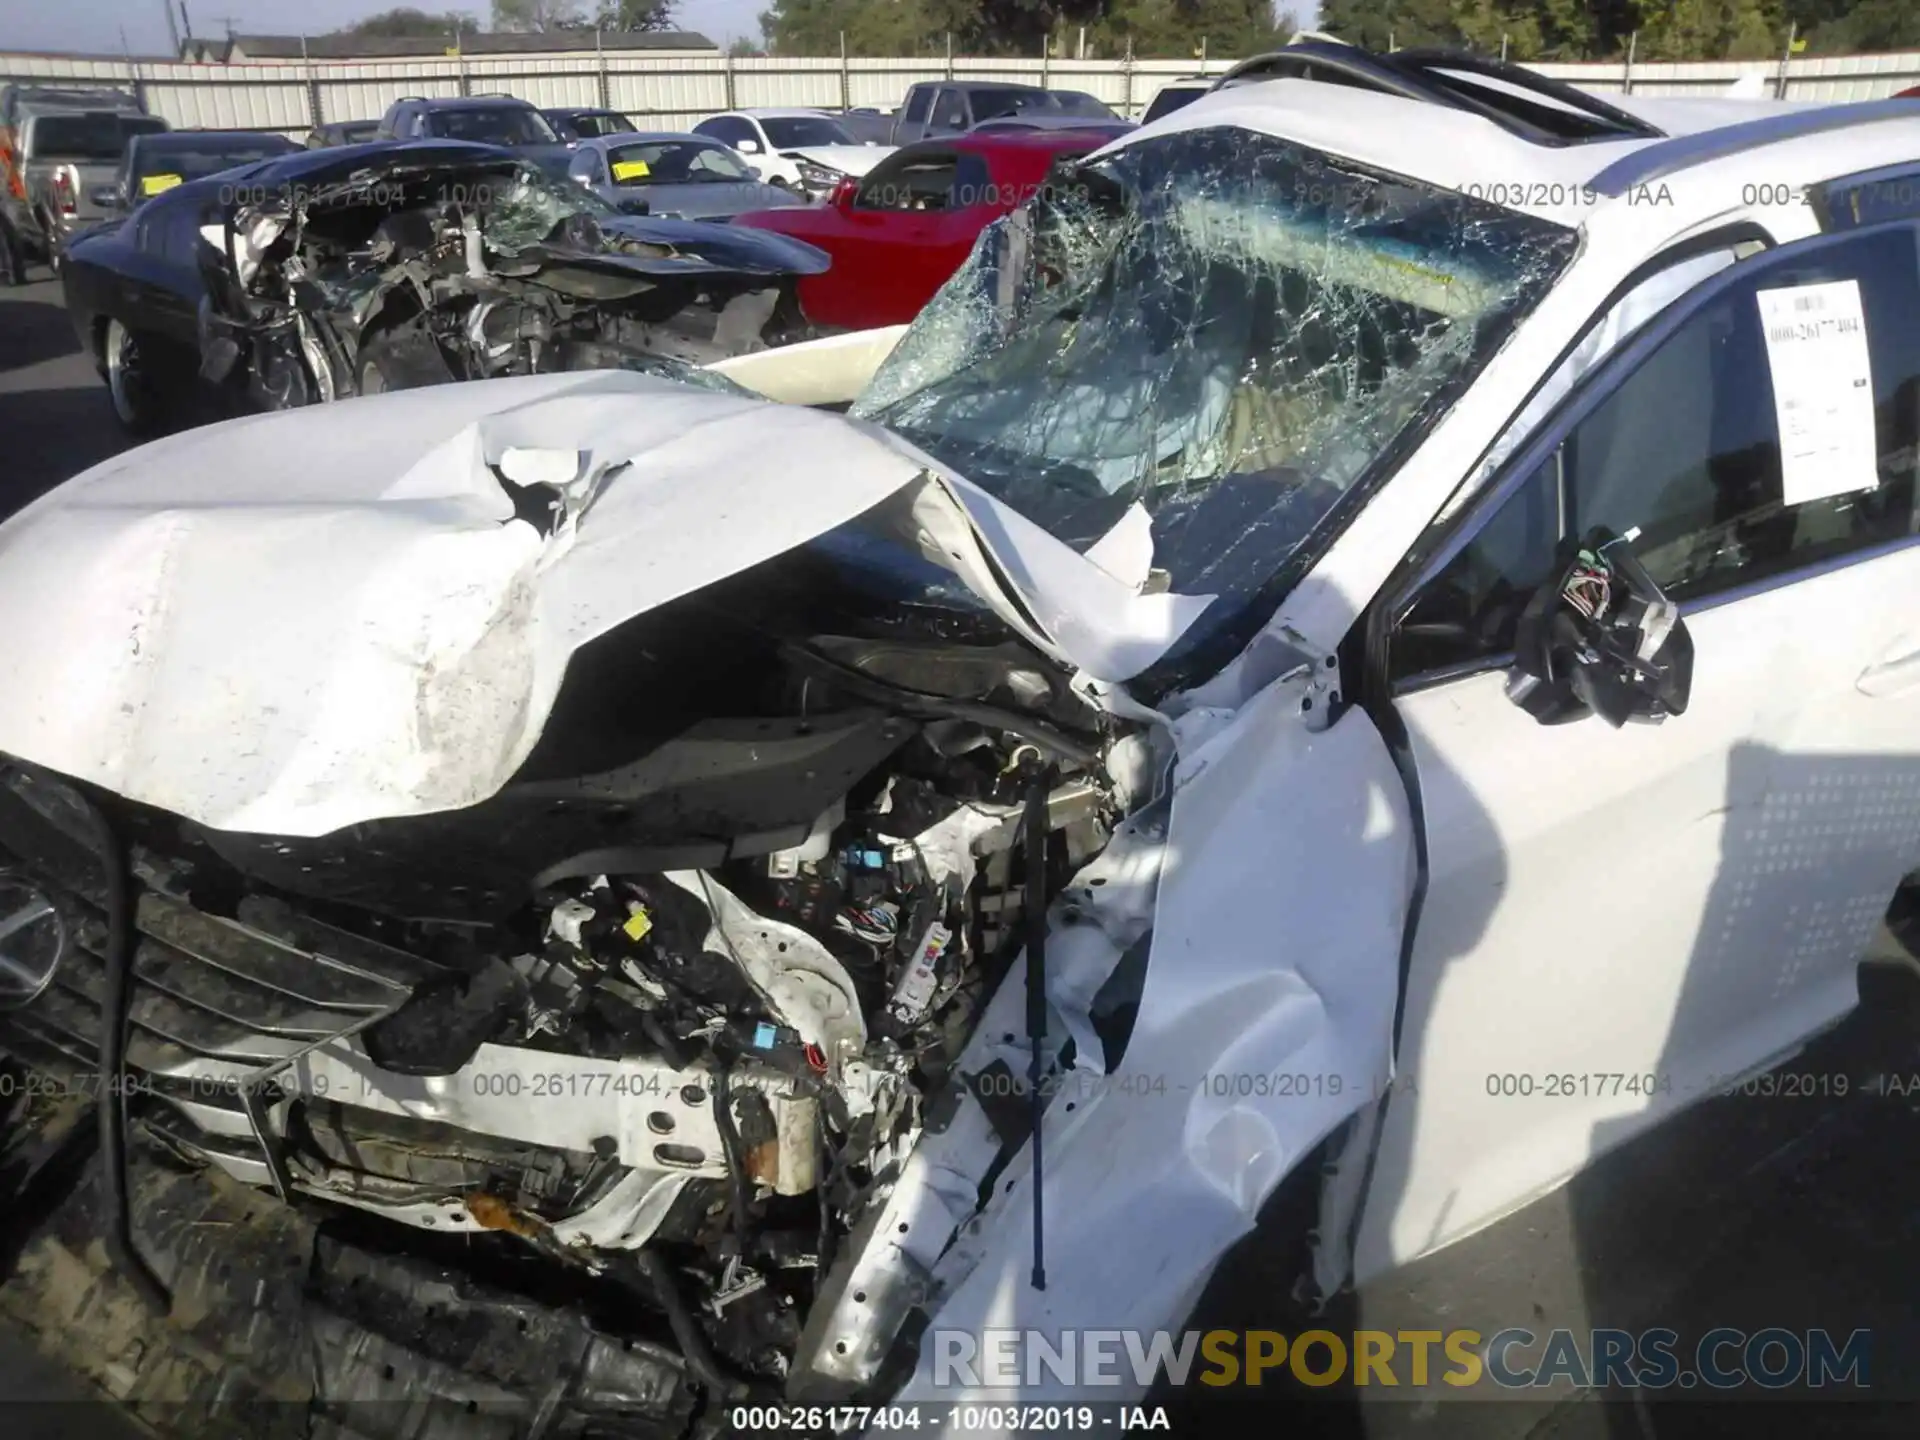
1288, 868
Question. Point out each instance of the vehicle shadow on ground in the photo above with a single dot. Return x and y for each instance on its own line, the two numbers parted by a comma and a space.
35, 331
1812, 850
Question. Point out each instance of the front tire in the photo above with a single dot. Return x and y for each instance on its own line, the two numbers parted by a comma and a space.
130, 382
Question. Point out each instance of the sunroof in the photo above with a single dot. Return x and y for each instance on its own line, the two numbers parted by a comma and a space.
1544, 111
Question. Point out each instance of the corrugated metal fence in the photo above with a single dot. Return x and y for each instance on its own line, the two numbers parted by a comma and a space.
671, 89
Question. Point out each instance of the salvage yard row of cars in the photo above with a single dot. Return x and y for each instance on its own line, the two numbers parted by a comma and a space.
171, 287
691, 829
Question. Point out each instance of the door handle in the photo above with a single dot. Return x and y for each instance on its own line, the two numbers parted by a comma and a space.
1893, 676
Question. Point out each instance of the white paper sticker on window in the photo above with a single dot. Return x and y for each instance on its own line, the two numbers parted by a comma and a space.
1822, 389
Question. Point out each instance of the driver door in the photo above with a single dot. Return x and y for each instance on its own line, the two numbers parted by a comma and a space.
1617, 923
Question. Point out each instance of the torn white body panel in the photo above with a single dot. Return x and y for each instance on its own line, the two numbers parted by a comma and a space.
831, 371
292, 623
1265, 1021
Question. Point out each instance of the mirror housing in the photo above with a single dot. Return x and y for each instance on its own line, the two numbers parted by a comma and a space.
108, 197
844, 189
748, 147
1601, 637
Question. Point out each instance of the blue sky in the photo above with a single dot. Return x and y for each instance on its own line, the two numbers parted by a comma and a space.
95, 26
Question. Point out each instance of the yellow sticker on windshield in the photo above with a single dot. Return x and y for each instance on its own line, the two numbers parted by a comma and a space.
629, 169
154, 184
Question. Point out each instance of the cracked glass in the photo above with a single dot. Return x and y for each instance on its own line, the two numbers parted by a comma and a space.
1231, 330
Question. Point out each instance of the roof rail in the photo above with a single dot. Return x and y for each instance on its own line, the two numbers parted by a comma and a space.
1333, 63
1424, 75
1683, 152
1430, 61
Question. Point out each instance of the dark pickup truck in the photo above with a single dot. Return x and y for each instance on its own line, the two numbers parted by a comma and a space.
952, 107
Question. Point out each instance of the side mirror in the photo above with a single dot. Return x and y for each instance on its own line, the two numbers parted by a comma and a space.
1601, 637
748, 147
107, 197
844, 189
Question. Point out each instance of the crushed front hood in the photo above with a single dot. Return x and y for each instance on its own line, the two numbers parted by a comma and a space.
295, 622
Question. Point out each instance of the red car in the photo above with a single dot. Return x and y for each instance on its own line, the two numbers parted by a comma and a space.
899, 231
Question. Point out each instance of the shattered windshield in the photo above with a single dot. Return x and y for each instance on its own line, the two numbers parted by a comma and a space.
526, 206
1226, 328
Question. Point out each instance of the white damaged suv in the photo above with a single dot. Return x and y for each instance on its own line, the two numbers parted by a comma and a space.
835, 874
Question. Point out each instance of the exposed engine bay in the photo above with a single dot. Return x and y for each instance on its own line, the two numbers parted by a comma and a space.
668, 1014
447, 261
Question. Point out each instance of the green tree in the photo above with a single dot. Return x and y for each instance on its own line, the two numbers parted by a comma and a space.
408, 21
1173, 29
536, 16
635, 15
1378, 24
1021, 27
1711, 29
871, 27
1840, 27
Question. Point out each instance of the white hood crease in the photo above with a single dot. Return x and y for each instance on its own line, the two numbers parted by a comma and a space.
292, 623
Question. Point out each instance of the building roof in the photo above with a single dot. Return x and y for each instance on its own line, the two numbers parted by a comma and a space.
376, 47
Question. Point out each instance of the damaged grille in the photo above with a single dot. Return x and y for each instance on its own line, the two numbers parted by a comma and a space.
217, 1003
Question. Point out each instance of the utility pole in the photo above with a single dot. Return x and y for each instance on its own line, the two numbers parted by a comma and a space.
1786, 59
186, 21
313, 85
173, 27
